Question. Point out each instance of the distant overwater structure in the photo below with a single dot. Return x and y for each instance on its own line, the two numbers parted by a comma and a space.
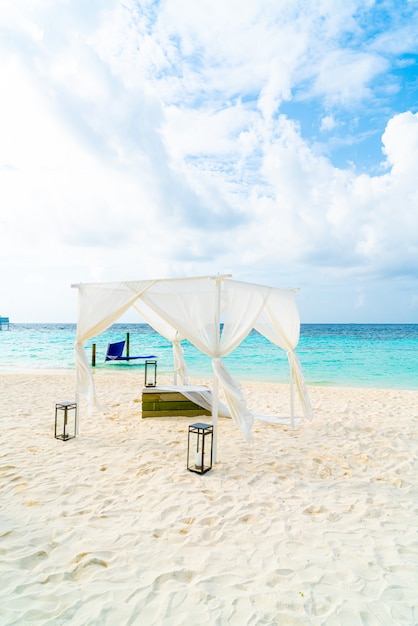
4, 323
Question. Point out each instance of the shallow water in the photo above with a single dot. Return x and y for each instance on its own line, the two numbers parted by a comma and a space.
360, 355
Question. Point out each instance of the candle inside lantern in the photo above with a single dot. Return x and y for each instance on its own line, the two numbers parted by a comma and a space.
199, 448
65, 420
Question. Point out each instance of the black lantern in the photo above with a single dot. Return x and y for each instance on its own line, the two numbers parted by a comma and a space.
65, 420
199, 448
150, 373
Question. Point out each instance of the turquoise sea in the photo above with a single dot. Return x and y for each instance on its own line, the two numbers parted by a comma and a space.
356, 355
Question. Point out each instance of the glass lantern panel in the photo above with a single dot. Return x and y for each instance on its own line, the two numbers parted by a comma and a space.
150, 373
65, 420
199, 457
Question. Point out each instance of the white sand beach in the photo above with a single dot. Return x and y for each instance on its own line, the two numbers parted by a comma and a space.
311, 526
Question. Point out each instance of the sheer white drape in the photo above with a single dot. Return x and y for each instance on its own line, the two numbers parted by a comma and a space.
196, 311
279, 322
202, 396
235, 399
189, 308
169, 332
99, 306
241, 306
193, 309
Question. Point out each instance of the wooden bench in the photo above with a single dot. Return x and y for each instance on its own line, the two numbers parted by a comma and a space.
163, 403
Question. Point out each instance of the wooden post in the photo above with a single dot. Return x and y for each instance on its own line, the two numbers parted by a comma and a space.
93, 355
127, 344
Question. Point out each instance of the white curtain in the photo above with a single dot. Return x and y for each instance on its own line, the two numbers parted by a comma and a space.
193, 309
202, 396
235, 400
196, 311
189, 307
180, 367
99, 306
169, 332
241, 306
279, 323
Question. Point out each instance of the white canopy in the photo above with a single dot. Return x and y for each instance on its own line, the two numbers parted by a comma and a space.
193, 308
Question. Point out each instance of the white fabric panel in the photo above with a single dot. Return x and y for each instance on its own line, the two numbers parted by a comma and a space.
242, 305
235, 399
279, 322
157, 322
189, 307
180, 367
299, 380
99, 306
84, 380
192, 309
167, 330
202, 396
205, 400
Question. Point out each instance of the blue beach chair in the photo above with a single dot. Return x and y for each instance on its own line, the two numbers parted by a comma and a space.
115, 353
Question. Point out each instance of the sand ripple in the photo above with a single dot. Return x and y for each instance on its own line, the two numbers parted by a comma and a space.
315, 526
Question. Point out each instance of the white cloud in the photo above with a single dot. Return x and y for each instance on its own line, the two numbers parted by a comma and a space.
146, 139
400, 144
343, 76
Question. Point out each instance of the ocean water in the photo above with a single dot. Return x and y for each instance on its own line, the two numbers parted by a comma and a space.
356, 355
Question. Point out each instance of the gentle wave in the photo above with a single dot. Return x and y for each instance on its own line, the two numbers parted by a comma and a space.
359, 355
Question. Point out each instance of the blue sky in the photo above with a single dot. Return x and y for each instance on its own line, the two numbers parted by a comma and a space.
277, 141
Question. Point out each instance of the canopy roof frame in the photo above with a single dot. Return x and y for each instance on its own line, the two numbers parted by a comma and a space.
178, 312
